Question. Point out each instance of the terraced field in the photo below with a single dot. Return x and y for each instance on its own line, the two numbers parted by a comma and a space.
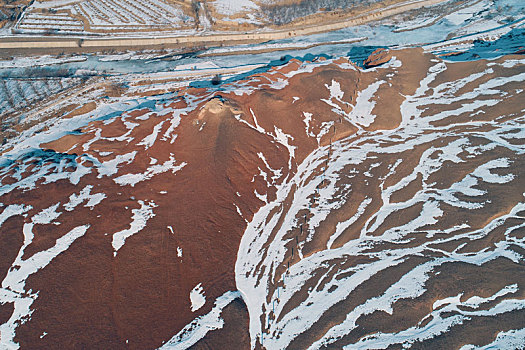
18, 93
176, 18
104, 16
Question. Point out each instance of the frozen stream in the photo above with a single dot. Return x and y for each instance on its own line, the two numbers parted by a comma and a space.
474, 17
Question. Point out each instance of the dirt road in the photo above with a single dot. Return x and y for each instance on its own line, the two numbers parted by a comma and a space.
215, 39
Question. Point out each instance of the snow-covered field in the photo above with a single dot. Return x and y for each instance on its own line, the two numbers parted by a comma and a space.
16, 94
101, 16
232, 7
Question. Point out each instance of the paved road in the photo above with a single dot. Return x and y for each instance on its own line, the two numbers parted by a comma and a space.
228, 39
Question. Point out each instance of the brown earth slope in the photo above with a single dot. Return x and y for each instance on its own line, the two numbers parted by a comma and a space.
159, 197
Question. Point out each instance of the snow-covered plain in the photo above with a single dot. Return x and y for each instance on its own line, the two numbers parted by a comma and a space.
232, 7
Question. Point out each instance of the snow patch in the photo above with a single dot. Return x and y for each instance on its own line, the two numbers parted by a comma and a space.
200, 326
197, 298
138, 222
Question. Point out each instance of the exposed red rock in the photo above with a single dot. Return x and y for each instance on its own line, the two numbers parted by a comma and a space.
378, 57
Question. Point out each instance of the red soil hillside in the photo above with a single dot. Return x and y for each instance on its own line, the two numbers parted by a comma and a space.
107, 231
